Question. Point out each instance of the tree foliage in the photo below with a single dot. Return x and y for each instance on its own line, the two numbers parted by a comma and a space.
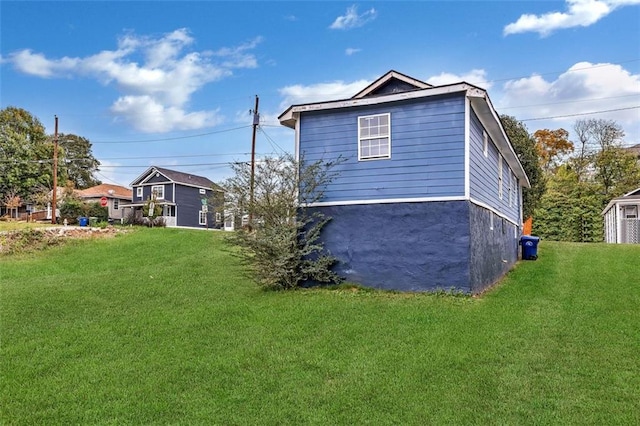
26, 156
77, 161
552, 146
579, 189
282, 243
25, 153
524, 146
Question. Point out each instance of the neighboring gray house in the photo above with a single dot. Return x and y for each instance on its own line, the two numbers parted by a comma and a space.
622, 219
429, 193
118, 198
187, 200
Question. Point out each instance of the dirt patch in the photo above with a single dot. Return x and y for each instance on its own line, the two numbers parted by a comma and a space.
34, 239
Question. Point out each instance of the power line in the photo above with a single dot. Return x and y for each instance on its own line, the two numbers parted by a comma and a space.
579, 114
173, 138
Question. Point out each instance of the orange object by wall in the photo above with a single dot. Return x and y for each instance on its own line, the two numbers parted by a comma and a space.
526, 227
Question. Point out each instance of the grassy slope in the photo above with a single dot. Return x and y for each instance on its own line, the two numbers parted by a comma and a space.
160, 326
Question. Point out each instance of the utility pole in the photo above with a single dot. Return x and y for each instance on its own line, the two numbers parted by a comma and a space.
54, 202
256, 122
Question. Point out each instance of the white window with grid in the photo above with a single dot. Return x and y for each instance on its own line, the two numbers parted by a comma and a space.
158, 191
139, 192
374, 137
202, 217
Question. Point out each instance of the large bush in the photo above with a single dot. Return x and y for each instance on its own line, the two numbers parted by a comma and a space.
281, 239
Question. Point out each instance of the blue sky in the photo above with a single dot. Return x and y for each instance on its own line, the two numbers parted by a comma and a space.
171, 83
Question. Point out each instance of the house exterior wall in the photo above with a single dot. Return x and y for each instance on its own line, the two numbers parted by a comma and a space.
494, 247
421, 246
188, 206
427, 150
483, 170
169, 191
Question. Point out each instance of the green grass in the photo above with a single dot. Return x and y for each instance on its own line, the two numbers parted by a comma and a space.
162, 327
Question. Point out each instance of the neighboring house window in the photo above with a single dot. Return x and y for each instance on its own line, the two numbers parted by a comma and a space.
500, 176
203, 218
139, 192
116, 203
485, 143
158, 191
374, 137
218, 217
631, 212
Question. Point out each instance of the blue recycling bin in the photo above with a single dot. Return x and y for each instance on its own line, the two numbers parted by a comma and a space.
83, 221
529, 245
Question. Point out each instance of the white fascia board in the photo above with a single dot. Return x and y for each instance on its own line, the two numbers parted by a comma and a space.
467, 147
384, 201
289, 117
621, 201
491, 121
143, 177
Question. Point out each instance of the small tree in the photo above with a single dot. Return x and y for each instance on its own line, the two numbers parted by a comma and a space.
282, 244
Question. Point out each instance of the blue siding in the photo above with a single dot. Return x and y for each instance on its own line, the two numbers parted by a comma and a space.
188, 206
427, 150
483, 174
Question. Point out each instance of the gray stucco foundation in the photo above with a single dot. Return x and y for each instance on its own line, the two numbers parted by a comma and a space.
422, 246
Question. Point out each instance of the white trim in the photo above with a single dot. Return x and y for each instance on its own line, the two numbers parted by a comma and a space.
139, 191
500, 176
385, 201
288, 117
488, 207
467, 147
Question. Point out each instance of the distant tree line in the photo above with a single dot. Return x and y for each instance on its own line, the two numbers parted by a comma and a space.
572, 181
26, 158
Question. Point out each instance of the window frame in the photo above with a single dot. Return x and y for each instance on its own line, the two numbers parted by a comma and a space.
500, 177
116, 204
139, 192
202, 217
158, 197
378, 136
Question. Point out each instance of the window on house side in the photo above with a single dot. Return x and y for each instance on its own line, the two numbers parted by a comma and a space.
374, 137
202, 191
116, 203
202, 218
158, 191
500, 176
485, 143
139, 192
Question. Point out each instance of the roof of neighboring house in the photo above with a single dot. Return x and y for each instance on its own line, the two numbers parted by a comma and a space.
106, 190
630, 196
188, 179
410, 88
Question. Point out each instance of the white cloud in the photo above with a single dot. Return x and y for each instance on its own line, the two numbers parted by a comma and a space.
583, 88
476, 77
351, 19
350, 51
148, 115
580, 13
300, 94
156, 76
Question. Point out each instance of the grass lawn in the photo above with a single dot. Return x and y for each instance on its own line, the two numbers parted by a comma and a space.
16, 225
162, 327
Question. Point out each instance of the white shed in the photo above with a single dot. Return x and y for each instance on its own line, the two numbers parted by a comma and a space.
622, 219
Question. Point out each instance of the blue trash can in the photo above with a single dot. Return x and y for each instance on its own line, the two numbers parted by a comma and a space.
529, 245
82, 221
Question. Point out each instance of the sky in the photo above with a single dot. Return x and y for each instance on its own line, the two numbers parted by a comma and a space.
173, 83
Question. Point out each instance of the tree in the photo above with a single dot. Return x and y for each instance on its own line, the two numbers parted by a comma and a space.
525, 148
78, 161
282, 244
552, 146
25, 153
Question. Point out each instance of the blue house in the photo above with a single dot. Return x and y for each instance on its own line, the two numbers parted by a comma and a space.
187, 200
429, 193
